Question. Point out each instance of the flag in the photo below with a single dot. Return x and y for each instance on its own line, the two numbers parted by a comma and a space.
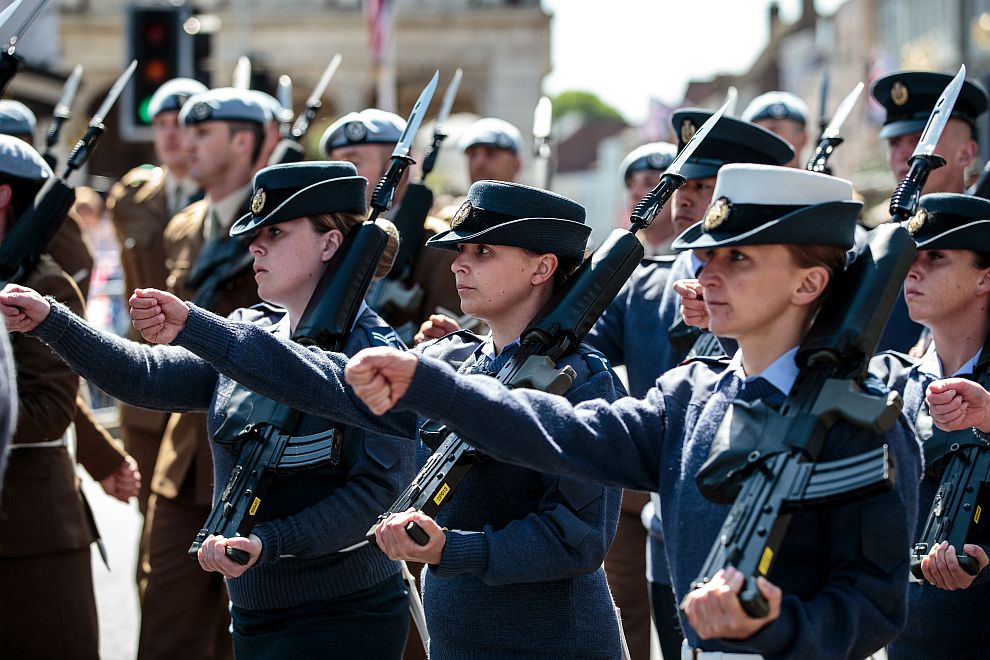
380, 15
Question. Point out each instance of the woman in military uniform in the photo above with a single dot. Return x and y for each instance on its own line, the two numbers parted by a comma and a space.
771, 244
299, 593
514, 556
948, 291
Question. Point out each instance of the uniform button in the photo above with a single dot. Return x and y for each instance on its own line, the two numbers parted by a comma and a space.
129, 243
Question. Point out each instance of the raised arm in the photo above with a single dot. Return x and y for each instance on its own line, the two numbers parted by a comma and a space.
610, 443
161, 377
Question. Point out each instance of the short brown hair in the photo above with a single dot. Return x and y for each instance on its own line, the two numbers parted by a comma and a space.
831, 257
344, 222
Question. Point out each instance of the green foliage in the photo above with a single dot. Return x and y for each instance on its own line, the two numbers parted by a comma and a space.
585, 105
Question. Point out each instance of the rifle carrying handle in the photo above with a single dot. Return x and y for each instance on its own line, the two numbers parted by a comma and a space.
967, 563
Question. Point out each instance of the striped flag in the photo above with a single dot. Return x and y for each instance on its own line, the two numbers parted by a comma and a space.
380, 15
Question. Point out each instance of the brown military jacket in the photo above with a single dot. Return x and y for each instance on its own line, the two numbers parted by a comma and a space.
41, 506
185, 447
138, 209
72, 251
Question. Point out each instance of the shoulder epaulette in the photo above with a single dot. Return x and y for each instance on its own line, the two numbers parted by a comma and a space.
710, 360
660, 259
596, 362
268, 308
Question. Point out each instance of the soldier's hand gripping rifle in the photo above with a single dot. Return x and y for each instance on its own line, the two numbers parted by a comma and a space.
959, 512
395, 293
28, 239
63, 113
290, 149
268, 445
829, 138
557, 330
771, 455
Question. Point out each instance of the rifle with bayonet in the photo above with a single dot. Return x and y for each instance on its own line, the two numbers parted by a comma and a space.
10, 62
28, 239
289, 149
770, 467
556, 331
542, 149
829, 138
268, 446
395, 294
63, 112
963, 494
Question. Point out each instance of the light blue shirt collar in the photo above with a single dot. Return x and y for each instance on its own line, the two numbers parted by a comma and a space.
488, 346
781, 373
931, 364
696, 264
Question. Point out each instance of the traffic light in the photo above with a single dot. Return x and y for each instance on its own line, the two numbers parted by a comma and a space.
163, 50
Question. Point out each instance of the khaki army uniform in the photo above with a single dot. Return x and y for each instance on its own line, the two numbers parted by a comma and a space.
47, 606
139, 211
184, 609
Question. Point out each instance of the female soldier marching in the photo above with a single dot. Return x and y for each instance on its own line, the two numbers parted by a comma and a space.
300, 593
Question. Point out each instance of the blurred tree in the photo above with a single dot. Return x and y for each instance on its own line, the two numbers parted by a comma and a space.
585, 105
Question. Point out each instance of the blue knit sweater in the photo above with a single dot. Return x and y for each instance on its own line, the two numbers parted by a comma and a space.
942, 625
307, 516
521, 572
843, 570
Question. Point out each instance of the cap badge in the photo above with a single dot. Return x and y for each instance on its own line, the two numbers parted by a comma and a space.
917, 221
355, 131
688, 129
656, 161
899, 93
201, 111
503, 141
258, 202
777, 111
463, 213
717, 213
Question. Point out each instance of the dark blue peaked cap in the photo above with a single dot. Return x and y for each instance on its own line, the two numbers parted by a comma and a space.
296, 190
910, 96
512, 214
730, 141
951, 221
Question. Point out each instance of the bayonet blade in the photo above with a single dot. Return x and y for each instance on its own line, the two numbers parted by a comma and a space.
940, 115
731, 99
448, 101
543, 118
242, 73
63, 108
26, 23
696, 139
113, 94
6, 13
842, 112
321, 87
823, 101
284, 96
404, 144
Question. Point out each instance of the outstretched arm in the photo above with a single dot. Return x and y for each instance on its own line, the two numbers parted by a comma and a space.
958, 403
308, 379
161, 377
611, 443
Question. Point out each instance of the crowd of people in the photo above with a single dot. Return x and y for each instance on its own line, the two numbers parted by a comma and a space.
580, 525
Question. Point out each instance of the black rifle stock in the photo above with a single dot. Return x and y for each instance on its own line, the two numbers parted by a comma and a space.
557, 331
775, 471
29, 236
268, 446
